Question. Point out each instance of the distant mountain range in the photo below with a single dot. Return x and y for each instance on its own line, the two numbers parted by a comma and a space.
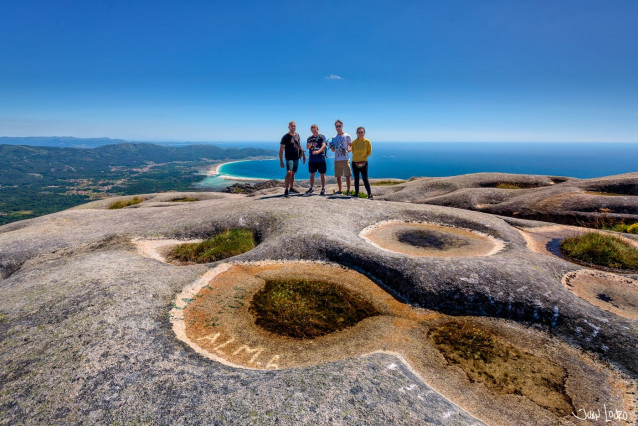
72, 142
59, 141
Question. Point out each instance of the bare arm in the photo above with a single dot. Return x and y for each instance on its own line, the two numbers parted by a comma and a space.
320, 150
281, 156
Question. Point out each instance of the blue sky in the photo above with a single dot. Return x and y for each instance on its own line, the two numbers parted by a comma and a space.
445, 70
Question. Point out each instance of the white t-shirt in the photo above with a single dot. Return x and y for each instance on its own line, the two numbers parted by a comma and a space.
342, 143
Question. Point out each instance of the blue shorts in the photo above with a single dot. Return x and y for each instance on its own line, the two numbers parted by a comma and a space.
292, 165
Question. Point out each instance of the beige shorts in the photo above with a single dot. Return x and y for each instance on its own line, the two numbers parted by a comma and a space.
342, 168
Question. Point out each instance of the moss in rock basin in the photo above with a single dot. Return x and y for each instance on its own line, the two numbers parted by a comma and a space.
487, 358
225, 244
603, 250
306, 309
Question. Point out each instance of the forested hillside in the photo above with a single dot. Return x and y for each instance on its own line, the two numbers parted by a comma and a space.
40, 180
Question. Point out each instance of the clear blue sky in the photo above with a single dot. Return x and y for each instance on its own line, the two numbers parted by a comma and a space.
445, 70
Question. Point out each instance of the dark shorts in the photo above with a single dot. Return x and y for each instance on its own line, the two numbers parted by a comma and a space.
292, 165
319, 166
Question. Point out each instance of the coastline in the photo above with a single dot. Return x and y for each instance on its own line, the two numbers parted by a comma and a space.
215, 171
403, 161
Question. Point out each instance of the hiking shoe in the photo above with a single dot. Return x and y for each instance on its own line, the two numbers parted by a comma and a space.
323, 191
286, 193
294, 191
310, 191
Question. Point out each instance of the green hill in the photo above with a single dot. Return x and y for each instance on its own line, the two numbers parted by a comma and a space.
37, 180
19, 163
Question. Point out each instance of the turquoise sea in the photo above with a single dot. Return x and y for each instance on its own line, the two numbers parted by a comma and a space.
409, 159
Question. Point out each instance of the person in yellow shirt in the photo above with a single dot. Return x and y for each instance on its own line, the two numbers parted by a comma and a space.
361, 150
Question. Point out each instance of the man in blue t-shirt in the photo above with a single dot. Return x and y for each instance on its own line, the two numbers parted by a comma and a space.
316, 145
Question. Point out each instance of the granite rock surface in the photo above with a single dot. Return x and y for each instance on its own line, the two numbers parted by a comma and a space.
86, 336
549, 198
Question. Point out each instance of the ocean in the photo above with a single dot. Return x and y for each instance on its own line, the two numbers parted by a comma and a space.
404, 160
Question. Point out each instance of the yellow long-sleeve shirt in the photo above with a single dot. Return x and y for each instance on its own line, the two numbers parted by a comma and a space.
361, 150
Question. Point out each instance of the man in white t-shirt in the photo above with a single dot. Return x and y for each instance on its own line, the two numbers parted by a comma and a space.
341, 145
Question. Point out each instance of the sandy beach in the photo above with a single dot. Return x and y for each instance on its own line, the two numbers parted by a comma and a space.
215, 170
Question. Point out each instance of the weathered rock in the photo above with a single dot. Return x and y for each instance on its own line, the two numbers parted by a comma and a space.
85, 333
589, 202
247, 188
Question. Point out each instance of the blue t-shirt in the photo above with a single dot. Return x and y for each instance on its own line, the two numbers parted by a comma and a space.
316, 142
341, 145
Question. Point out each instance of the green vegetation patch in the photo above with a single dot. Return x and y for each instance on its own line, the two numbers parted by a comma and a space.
305, 309
126, 203
621, 227
387, 182
607, 194
184, 200
225, 244
511, 185
602, 250
504, 185
487, 358
351, 193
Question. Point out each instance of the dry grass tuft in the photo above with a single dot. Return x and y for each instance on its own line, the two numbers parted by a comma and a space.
126, 203
184, 200
387, 182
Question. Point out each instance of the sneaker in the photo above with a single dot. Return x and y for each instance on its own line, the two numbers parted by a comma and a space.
286, 193
310, 191
355, 195
294, 191
323, 191
370, 197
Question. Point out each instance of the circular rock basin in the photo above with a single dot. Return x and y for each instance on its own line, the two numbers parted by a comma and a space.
497, 370
609, 291
430, 240
225, 244
502, 367
222, 317
547, 240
